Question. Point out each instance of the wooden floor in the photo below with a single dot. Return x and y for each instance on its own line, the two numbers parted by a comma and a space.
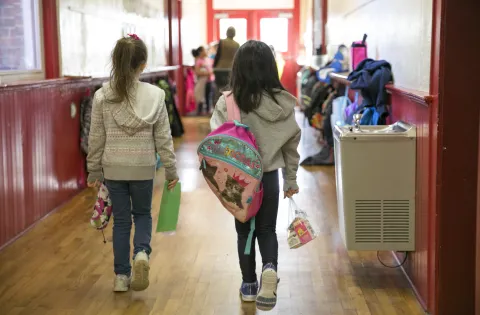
62, 267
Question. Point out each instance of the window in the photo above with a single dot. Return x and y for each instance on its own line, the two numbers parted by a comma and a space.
20, 48
87, 52
274, 31
240, 26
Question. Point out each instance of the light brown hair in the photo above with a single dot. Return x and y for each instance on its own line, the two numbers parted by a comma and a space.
127, 57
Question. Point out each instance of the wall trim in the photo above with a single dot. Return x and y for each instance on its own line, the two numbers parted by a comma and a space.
87, 81
418, 97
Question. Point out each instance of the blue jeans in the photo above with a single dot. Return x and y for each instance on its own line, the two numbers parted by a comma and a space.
130, 198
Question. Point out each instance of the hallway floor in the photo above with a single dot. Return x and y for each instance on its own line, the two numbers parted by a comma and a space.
62, 267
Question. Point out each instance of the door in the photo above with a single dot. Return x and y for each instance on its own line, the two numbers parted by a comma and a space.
237, 19
276, 29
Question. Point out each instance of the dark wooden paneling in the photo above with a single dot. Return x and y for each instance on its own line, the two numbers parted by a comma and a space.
477, 276
40, 154
416, 111
457, 157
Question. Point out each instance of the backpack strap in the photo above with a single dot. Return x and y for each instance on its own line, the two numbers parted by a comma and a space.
233, 112
248, 246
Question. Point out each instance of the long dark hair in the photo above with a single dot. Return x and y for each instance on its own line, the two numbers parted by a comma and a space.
254, 72
127, 57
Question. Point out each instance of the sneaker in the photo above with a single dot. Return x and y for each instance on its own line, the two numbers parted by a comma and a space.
140, 272
267, 295
121, 283
249, 291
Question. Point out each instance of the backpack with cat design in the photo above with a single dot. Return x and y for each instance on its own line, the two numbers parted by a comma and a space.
232, 166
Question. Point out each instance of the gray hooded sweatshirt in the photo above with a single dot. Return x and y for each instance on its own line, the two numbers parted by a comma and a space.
276, 131
124, 137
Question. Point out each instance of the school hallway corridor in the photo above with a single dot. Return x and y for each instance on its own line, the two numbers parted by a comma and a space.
62, 267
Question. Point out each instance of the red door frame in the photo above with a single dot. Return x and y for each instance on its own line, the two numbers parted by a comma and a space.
266, 14
289, 72
238, 14
253, 29
211, 34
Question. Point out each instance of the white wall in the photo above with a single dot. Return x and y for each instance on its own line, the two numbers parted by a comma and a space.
194, 27
252, 4
399, 31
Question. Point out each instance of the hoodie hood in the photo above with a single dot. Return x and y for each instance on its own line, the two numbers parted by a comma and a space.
272, 111
143, 111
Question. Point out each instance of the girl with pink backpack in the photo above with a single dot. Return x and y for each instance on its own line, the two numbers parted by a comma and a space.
266, 110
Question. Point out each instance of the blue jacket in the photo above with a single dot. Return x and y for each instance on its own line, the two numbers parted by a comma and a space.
370, 77
335, 66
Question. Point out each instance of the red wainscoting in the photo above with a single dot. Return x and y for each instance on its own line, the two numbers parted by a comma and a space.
39, 151
413, 107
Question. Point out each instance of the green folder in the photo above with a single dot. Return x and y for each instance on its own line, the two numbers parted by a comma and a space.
169, 209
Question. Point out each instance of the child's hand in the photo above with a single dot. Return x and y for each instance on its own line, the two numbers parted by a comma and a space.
96, 184
289, 193
172, 184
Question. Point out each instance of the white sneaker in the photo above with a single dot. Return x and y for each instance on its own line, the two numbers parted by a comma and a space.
121, 283
267, 294
140, 272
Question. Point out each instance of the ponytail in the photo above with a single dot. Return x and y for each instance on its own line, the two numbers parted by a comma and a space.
127, 57
196, 52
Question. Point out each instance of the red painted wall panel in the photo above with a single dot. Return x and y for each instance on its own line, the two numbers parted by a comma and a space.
417, 112
174, 48
40, 154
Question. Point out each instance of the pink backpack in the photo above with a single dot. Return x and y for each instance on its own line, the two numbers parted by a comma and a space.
359, 52
232, 167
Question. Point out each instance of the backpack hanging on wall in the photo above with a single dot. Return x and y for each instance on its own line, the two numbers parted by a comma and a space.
359, 52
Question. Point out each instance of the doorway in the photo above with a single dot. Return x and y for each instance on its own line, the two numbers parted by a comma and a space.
274, 27
240, 25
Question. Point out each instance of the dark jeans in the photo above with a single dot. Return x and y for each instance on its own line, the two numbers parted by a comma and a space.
130, 198
265, 224
221, 82
208, 99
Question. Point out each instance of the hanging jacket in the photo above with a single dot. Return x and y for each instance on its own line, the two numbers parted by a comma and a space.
190, 103
371, 77
173, 116
338, 64
85, 119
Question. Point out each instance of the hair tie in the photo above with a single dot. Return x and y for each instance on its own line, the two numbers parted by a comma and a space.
134, 36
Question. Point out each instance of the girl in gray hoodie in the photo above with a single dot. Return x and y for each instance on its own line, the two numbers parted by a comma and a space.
129, 126
268, 110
